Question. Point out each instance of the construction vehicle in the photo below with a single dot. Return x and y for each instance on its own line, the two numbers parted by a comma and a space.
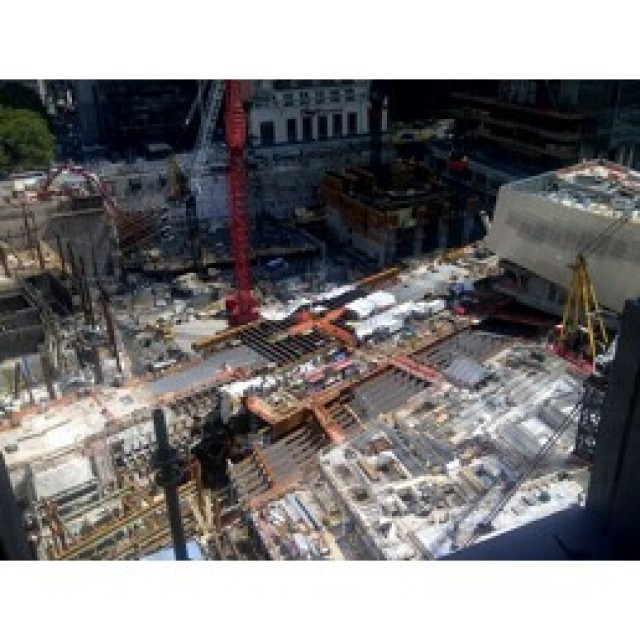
162, 328
211, 310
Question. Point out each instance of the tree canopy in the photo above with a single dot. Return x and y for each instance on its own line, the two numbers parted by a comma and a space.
25, 140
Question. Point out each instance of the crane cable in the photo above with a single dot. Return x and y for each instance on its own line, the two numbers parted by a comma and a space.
533, 465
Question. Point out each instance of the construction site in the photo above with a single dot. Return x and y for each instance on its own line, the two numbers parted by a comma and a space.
189, 373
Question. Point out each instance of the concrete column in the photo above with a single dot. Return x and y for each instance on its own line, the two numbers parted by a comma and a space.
169, 476
443, 233
417, 240
615, 476
467, 227
12, 535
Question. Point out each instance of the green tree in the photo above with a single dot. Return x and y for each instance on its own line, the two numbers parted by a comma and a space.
25, 140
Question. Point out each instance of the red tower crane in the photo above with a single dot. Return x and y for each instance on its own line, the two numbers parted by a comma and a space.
241, 305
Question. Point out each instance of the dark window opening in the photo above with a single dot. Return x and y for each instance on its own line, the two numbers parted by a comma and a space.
337, 125
267, 134
322, 128
352, 123
292, 130
307, 130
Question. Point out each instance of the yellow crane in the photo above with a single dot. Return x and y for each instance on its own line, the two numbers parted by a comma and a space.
582, 314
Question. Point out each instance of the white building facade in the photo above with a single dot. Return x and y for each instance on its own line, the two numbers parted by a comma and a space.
298, 111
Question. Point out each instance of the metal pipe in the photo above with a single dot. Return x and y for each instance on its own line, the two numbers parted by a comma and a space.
94, 261
84, 284
26, 374
47, 373
4, 259
168, 477
16, 381
40, 254
27, 228
97, 367
63, 262
72, 261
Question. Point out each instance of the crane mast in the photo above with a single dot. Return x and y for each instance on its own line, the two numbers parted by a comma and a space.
241, 305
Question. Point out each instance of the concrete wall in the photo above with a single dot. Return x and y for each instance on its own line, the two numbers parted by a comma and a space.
13, 541
383, 253
545, 237
615, 478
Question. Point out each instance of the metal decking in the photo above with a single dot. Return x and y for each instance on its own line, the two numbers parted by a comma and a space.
385, 392
276, 463
264, 340
475, 345
345, 417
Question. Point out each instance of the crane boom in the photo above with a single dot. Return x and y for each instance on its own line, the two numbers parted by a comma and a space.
207, 123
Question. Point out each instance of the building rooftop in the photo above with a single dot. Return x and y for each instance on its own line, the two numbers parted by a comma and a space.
597, 187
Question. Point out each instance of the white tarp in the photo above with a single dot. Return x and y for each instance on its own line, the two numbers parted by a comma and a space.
376, 301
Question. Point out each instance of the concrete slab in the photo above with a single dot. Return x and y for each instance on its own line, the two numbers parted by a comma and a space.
202, 372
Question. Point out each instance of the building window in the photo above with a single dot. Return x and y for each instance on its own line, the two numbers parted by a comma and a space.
307, 131
350, 94
267, 133
335, 95
320, 97
352, 123
304, 98
288, 99
292, 130
337, 125
322, 128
